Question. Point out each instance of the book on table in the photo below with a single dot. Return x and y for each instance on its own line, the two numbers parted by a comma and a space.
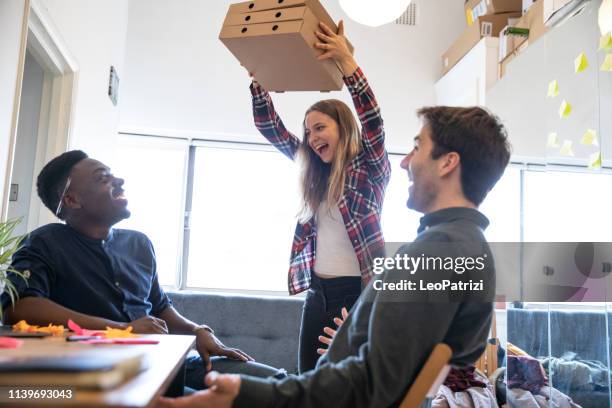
90, 369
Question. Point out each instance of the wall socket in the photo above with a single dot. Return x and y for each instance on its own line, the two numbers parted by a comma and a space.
14, 193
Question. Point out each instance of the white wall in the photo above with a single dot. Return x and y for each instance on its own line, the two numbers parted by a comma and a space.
25, 146
95, 34
11, 29
179, 78
519, 98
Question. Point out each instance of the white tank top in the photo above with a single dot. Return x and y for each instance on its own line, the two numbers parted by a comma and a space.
335, 255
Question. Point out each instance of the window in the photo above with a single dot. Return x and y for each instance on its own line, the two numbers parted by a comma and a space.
245, 203
567, 206
155, 190
399, 223
502, 206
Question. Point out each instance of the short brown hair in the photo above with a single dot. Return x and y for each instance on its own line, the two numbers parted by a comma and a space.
478, 137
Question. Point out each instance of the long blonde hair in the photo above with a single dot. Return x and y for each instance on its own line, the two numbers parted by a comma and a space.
321, 181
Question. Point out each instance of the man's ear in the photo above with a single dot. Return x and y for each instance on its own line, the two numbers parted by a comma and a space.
449, 163
72, 201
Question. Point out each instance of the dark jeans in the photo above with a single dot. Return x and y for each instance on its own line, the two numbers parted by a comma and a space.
324, 301
195, 370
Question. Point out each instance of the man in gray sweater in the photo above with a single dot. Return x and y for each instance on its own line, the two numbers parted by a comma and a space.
438, 289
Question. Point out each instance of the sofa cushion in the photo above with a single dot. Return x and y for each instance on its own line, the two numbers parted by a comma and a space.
266, 328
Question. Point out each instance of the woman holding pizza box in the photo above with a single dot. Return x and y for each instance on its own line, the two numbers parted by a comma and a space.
344, 173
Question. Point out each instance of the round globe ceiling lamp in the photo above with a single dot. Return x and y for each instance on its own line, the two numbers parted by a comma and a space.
374, 13
605, 16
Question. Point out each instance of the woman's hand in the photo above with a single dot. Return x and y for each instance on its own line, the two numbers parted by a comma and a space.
336, 46
331, 333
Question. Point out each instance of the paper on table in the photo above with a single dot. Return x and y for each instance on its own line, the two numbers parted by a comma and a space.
10, 343
553, 140
581, 63
566, 149
83, 332
553, 89
607, 64
605, 42
121, 341
565, 109
590, 138
595, 160
109, 333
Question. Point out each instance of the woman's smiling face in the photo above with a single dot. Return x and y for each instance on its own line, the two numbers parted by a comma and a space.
322, 134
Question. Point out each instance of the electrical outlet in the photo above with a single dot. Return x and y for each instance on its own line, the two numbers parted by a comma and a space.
14, 194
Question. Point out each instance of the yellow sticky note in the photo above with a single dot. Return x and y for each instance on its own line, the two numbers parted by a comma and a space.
553, 89
469, 16
607, 64
553, 140
590, 138
565, 109
605, 42
595, 160
581, 63
566, 149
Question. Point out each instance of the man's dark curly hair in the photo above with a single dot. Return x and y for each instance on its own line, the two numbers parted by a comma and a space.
53, 177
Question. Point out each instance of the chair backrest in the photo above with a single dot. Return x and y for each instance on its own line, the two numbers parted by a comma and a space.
430, 377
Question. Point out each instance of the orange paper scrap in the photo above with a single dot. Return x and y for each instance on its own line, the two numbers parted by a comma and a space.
24, 327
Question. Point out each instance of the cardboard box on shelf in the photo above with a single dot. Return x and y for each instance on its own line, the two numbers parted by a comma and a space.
276, 41
486, 26
478, 8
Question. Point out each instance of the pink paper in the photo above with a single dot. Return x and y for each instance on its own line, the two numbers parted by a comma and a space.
10, 343
127, 340
83, 332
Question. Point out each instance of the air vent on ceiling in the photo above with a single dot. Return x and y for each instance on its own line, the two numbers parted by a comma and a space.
410, 15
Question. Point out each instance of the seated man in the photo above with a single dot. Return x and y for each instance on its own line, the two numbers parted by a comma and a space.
384, 341
98, 276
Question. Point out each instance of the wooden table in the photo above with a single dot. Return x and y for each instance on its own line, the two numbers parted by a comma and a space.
165, 359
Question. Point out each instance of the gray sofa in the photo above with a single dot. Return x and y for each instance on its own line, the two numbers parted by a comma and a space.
267, 328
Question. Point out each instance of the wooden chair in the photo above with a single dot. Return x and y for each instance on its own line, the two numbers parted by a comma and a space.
487, 363
429, 379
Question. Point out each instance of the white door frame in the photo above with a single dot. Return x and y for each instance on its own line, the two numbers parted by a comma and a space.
15, 114
58, 99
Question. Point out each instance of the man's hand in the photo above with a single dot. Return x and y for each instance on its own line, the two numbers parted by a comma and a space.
336, 47
331, 333
222, 391
208, 345
149, 325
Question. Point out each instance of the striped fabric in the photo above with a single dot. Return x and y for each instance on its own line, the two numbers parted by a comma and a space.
364, 190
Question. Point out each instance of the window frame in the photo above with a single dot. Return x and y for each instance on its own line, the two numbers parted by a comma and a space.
524, 166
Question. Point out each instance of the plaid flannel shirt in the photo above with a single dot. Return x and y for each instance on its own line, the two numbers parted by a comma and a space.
364, 188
